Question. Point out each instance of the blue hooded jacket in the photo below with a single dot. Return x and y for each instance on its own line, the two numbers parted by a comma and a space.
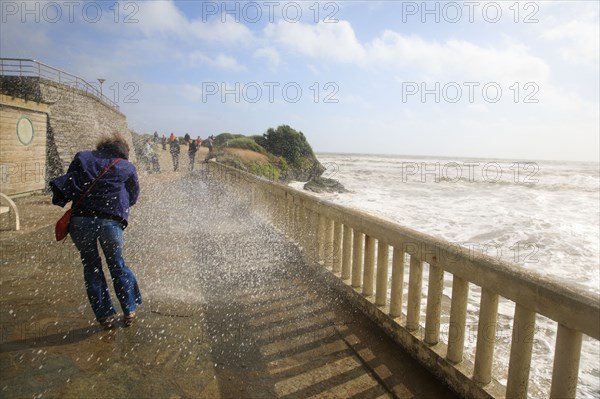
112, 195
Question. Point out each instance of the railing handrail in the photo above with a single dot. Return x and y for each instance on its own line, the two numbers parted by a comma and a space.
345, 240
526, 282
541, 294
23, 70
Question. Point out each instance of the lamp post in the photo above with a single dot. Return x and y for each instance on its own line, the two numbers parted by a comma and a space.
101, 82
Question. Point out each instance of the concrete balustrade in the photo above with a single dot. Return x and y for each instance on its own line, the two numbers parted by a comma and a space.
321, 237
336, 267
566, 363
434, 304
357, 258
329, 243
346, 252
382, 273
520, 353
486, 337
369, 266
397, 283
415, 282
354, 248
458, 320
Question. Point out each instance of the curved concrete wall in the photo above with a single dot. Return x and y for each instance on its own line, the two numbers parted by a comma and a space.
76, 119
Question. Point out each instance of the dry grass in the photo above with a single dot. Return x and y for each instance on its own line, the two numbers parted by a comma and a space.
246, 156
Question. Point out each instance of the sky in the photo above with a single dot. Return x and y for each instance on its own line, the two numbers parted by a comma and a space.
486, 79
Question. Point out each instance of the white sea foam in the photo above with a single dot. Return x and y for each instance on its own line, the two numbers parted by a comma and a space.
541, 215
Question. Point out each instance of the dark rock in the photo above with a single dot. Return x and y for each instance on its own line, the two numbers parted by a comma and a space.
308, 168
324, 185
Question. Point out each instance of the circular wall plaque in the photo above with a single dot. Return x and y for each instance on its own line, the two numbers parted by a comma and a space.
25, 130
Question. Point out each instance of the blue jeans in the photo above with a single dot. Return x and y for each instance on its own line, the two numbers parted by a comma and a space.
85, 233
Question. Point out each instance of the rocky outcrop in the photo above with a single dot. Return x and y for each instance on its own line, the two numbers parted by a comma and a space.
309, 168
324, 185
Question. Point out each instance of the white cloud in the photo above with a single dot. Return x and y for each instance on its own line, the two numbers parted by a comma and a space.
221, 61
164, 18
338, 43
221, 32
577, 41
191, 92
160, 17
270, 54
323, 40
314, 69
226, 62
508, 64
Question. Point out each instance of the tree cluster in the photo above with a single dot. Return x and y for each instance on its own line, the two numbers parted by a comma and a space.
287, 143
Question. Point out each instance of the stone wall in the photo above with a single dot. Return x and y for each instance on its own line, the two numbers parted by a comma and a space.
76, 119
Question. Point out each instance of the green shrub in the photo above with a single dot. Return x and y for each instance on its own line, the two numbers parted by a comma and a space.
245, 143
288, 143
265, 169
281, 163
234, 163
260, 140
223, 138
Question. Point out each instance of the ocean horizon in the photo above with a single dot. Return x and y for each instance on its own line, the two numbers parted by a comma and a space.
461, 157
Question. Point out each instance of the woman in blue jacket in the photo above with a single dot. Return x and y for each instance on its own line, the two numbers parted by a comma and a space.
102, 216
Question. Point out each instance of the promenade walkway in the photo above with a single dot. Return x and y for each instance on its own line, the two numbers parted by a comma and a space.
229, 311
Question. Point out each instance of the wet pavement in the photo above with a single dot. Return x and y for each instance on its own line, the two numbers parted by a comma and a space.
229, 311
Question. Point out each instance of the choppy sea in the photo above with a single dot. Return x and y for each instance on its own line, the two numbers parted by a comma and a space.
541, 215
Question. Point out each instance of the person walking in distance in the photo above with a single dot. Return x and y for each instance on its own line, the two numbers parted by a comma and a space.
175, 149
151, 157
210, 141
192, 149
104, 185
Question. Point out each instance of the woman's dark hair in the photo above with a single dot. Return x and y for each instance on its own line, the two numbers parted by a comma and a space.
115, 144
